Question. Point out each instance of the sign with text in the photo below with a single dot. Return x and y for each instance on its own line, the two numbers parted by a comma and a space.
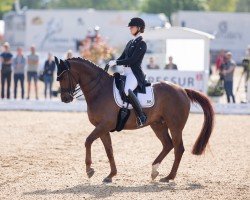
186, 79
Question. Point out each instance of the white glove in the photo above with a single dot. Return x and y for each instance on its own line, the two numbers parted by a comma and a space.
112, 63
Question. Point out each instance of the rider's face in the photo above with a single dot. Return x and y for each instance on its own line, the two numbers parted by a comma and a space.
133, 29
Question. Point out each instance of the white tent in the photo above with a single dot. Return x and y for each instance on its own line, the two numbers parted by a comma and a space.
190, 51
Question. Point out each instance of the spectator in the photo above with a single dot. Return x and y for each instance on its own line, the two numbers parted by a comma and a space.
49, 68
220, 60
6, 60
32, 70
151, 64
69, 54
227, 72
18, 68
171, 65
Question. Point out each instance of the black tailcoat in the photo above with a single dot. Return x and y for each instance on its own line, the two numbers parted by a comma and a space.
132, 57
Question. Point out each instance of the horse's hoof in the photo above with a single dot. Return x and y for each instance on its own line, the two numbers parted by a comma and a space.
90, 172
164, 180
107, 180
154, 175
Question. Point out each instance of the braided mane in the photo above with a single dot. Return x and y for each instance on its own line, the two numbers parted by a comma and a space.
84, 60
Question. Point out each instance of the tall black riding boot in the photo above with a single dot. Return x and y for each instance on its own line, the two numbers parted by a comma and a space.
141, 117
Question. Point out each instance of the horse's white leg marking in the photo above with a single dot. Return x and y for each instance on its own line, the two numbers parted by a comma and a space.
154, 172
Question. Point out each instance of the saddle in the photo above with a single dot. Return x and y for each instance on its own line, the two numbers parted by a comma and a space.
146, 99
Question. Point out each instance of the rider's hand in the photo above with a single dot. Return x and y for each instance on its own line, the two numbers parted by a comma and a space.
112, 63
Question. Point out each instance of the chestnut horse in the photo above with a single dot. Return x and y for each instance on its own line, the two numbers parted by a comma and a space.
167, 117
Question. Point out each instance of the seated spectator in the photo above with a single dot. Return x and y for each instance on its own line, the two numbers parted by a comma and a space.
151, 64
171, 65
19, 67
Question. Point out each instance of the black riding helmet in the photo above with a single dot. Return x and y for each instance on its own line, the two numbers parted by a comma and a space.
136, 21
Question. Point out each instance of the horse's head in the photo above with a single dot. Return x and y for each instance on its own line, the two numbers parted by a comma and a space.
67, 80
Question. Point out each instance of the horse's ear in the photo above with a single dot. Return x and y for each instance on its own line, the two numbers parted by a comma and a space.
64, 65
61, 62
56, 61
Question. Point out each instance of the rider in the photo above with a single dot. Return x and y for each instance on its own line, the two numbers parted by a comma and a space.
131, 59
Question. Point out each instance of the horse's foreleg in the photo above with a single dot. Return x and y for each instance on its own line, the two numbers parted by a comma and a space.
161, 131
106, 140
96, 133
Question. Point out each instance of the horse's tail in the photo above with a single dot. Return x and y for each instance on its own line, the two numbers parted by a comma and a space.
201, 142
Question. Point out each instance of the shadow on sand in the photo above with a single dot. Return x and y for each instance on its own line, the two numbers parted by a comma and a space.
106, 190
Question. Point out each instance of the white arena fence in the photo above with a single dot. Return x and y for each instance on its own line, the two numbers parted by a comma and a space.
81, 106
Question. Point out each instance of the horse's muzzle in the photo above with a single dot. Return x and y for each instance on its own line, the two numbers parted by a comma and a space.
66, 99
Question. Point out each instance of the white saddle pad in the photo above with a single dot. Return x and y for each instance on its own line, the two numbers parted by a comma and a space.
147, 100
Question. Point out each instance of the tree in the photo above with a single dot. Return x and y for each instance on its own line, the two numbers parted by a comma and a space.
222, 5
32, 4
243, 6
170, 6
5, 6
96, 4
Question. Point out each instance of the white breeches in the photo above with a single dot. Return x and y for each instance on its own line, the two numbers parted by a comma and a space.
131, 81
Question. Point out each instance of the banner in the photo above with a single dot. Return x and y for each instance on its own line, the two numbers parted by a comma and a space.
187, 79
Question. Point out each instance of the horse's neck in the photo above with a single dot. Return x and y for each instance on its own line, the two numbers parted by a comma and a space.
91, 81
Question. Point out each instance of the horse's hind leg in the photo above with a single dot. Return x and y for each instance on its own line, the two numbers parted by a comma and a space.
106, 140
178, 152
161, 131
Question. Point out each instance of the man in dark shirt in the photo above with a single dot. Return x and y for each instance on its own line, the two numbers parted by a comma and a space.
228, 71
151, 64
6, 60
171, 65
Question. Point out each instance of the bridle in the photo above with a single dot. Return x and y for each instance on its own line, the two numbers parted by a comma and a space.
73, 91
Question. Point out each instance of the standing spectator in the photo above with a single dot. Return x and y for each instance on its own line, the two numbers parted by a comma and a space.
33, 63
151, 64
227, 72
49, 68
18, 68
247, 69
69, 54
6, 59
171, 65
